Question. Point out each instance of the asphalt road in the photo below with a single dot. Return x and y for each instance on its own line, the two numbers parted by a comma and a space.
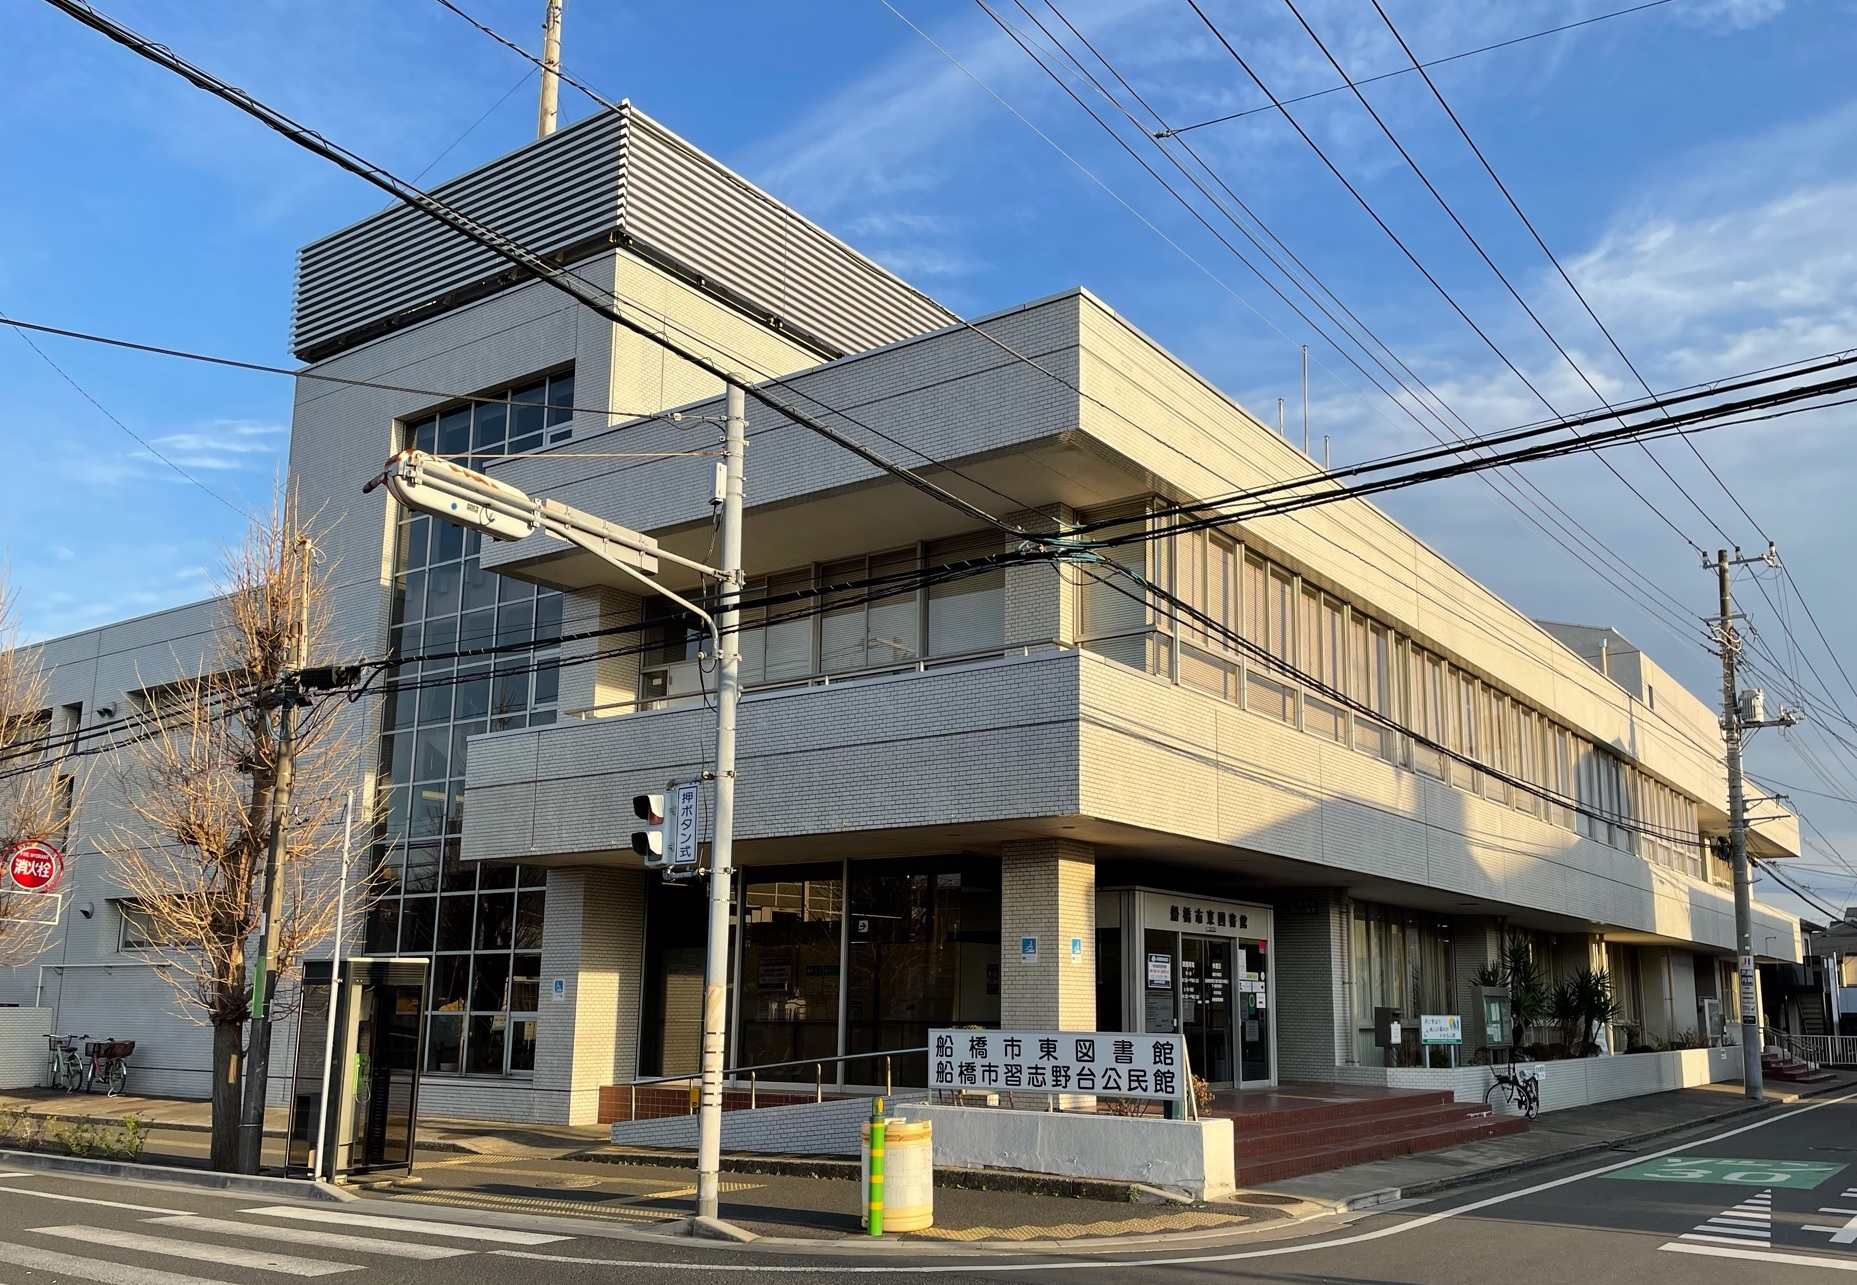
1770, 1199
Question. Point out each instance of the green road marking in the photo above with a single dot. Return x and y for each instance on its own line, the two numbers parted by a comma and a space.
1800, 1174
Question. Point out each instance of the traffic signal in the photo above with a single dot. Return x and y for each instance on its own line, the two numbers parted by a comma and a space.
649, 842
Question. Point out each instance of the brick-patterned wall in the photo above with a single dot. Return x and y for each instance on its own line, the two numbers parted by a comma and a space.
1311, 959
593, 940
1041, 599
22, 1046
1047, 891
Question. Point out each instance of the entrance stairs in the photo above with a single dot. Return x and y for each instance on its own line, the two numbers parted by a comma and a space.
1299, 1129
1782, 1066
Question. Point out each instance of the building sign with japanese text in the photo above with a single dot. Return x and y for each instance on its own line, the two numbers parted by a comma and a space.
1117, 1063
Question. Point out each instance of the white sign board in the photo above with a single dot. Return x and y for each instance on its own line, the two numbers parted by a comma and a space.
1441, 1029
1118, 1063
686, 812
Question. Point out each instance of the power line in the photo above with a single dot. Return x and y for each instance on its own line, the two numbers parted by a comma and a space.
20, 330
542, 269
1436, 62
1672, 620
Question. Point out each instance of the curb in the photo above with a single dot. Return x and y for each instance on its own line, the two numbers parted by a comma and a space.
205, 1179
840, 1168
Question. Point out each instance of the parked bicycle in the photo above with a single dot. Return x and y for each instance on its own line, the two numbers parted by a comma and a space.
1520, 1087
109, 1065
66, 1070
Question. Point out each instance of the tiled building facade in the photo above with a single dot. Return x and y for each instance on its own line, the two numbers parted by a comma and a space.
1038, 797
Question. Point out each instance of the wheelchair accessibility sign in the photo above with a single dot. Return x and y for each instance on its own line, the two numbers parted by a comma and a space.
1802, 1175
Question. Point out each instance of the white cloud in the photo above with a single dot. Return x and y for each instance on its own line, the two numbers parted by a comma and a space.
224, 444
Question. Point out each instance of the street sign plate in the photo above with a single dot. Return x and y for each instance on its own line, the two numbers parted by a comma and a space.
686, 813
1732, 1171
35, 867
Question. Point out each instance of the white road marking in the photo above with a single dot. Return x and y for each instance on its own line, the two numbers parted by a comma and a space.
230, 1255
1275, 1251
97, 1270
1766, 1256
1720, 1220
412, 1226
87, 1200
309, 1236
1722, 1240
1761, 1233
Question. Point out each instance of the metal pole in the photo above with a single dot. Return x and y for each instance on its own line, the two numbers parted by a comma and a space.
1305, 399
335, 980
551, 69
722, 843
1737, 840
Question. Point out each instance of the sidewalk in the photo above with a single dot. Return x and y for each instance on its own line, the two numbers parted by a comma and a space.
557, 1171
1625, 1125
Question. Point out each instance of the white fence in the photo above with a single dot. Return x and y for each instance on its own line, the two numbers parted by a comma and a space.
23, 1053
1572, 1082
1823, 1050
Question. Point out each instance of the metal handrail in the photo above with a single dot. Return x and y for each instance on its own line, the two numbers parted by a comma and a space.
818, 1066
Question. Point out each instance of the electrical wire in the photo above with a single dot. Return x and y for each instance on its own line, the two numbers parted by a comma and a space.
1435, 62
601, 302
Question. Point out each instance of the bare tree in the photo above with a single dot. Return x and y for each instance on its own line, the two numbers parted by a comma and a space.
198, 785
38, 784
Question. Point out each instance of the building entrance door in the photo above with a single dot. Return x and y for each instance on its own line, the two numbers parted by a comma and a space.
1253, 1016
1206, 1008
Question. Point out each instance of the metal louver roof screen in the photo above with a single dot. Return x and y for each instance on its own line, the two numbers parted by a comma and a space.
620, 174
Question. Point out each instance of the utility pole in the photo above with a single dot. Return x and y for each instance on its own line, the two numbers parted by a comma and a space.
287, 695
722, 844
1733, 724
551, 69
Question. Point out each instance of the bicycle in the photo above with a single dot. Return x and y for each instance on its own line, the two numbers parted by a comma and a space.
65, 1071
109, 1063
1521, 1088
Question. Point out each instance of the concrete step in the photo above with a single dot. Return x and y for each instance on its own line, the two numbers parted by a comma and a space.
1257, 1143
1369, 1148
1321, 1113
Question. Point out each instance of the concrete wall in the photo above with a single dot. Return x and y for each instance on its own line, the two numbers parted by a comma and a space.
808, 1129
1574, 1082
24, 1054
1194, 1156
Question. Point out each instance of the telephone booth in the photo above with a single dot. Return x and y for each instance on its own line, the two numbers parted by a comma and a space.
367, 1127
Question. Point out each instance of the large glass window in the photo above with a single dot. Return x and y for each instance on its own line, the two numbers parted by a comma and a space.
924, 938
492, 663
1401, 959
790, 931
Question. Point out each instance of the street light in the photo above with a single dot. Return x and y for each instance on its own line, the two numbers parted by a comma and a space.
447, 490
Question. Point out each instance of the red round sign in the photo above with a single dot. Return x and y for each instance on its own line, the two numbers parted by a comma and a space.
35, 867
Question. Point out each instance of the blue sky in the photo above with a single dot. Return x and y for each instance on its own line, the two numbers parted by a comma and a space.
1691, 165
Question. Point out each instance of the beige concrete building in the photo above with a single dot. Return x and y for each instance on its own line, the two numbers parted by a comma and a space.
1037, 796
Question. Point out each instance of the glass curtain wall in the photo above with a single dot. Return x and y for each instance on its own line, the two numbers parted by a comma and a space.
481, 926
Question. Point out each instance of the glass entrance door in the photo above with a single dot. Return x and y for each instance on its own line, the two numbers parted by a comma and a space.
1206, 1009
1253, 1012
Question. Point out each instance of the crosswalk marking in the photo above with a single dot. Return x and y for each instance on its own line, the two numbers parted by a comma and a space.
88, 1200
309, 1236
1749, 1223
412, 1226
230, 1255
1766, 1256
95, 1271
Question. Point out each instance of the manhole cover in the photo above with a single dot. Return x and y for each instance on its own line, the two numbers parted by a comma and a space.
569, 1184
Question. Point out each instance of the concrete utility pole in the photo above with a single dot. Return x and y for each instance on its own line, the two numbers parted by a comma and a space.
1733, 723
722, 845
287, 695
551, 69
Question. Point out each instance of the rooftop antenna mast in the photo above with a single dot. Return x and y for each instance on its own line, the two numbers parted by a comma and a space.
551, 69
